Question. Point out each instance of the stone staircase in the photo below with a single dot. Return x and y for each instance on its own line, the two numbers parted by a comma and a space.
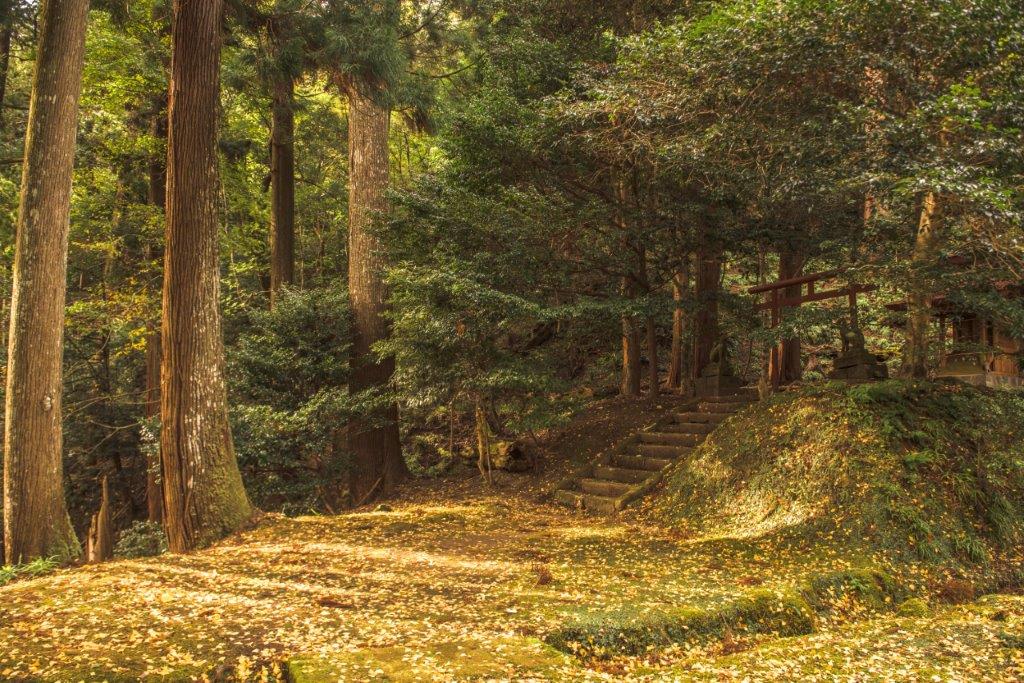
637, 465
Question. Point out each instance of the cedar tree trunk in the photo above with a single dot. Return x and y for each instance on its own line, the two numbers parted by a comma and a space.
680, 283
36, 522
282, 187
157, 198
791, 264
204, 499
706, 333
373, 442
919, 317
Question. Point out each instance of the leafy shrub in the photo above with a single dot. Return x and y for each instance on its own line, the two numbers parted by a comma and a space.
36, 567
288, 372
141, 539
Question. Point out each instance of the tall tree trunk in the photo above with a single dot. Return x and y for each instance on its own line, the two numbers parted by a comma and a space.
282, 187
157, 197
6, 36
204, 499
157, 194
631, 360
706, 333
154, 493
373, 442
680, 283
36, 522
652, 357
926, 247
791, 264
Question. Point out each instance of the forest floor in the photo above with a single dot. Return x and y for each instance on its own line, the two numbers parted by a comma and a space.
479, 588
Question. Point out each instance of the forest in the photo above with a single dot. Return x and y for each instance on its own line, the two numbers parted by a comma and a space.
512, 340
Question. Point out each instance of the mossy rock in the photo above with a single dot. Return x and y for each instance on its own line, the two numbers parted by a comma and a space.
914, 607
873, 589
779, 613
455, 661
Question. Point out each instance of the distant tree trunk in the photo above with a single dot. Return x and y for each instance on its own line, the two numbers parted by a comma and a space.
373, 442
36, 522
157, 198
282, 184
204, 499
6, 36
157, 194
652, 357
100, 539
154, 493
791, 265
926, 246
631, 360
705, 325
680, 283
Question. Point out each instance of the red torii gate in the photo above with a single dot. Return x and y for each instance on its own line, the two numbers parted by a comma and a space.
775, 302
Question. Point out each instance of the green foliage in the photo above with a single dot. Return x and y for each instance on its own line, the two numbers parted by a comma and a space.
472, 320
916, 471
141, 539
37, 567
288, 369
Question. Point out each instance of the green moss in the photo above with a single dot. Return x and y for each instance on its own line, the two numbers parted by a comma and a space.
783, 612
917, 471
779, 613
461, 660
914, 607
873, 589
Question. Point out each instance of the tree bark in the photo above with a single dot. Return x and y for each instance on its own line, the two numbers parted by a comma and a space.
154, 492
706, 333
36, 522
373, 442
6, 36
791, 264
631, 361
204, 498
282, 187
100, 540
157, 196
926, 246
652, 358
680, 283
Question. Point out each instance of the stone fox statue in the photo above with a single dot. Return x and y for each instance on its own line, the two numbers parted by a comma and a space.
852, 337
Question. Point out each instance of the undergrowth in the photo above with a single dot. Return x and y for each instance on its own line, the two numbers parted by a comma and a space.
919, 471
778, 612
37, 567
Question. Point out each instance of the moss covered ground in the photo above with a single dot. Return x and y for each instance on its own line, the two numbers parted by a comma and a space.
496, 586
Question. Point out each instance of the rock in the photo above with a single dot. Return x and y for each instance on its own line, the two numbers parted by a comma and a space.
511, 456
914, 607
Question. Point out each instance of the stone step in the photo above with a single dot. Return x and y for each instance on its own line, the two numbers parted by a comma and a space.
671, 438
717, 407
583, 501
621, 475
742, 396
604, 487
699, 428
670, 452
639, 462
702, 417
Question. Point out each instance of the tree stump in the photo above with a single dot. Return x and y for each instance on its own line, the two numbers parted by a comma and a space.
100, 543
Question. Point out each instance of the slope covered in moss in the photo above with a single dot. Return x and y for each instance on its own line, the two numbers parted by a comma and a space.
921, 473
